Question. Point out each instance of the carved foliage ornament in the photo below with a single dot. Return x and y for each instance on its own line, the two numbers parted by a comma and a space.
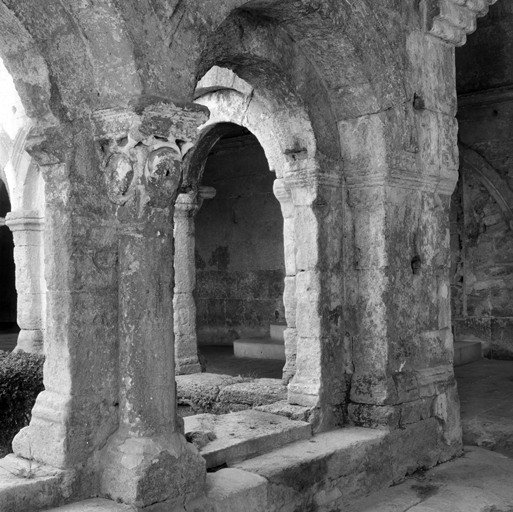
143, 152
452, 20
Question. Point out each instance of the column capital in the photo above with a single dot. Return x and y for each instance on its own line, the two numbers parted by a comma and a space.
142, 149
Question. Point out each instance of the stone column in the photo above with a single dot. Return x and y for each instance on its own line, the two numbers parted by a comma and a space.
184, 304
77, 411
147, 460
27, 228
284, 196
400, 170
316, 227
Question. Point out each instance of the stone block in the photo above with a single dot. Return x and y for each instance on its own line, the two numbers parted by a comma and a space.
29, 268
244, 434
289, 300
289, 246
203, 386
184, 315
433, 381
374, 416
232, 490
30, 315
255, 392
307, 238
28, 485
467, 352
283, 408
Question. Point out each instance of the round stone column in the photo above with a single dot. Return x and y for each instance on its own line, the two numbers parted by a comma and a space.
27, 228
186, 341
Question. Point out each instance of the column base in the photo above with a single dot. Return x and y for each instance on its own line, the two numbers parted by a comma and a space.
30, 341
187, 366
143, 471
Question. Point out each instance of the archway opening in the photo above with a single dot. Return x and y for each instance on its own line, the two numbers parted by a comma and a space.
239, 261
481, 233
8, 297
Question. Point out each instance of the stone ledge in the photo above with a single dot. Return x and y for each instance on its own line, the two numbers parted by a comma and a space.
233, 437
219, 394
29, 486
283, 408
93, 505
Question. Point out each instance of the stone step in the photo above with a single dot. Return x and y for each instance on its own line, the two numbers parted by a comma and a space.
467, 352
229, 438
259, 348
277, 331
93, 505
29, 486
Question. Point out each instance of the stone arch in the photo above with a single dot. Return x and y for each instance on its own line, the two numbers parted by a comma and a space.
471, 161
288, 140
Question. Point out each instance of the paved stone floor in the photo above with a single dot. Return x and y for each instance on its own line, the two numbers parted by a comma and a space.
480, 481
486, 394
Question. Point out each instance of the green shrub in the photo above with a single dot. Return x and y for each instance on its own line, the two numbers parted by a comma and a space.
21, 380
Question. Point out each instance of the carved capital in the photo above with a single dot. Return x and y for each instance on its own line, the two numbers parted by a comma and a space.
188, 204
452, 20
142, 150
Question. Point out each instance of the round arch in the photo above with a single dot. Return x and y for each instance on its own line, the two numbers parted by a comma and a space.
287, 138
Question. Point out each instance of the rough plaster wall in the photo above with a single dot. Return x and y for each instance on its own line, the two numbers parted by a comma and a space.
239, 246
7, 284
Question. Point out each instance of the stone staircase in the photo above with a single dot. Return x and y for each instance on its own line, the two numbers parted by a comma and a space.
261, 347
230, 438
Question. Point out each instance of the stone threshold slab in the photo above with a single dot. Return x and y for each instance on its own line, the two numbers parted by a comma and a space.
228, 438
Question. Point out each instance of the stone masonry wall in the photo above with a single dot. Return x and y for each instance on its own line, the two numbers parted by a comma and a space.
481, 269
239, 246
481, 215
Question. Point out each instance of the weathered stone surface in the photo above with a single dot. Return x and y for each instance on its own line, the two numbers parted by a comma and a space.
204, 386
232, 490
353, 105
93, 505
283, 408
473, 483
28, 485
255, 392
240, 435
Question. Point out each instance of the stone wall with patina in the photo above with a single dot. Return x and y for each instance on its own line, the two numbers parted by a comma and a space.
239, 245
482, 205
